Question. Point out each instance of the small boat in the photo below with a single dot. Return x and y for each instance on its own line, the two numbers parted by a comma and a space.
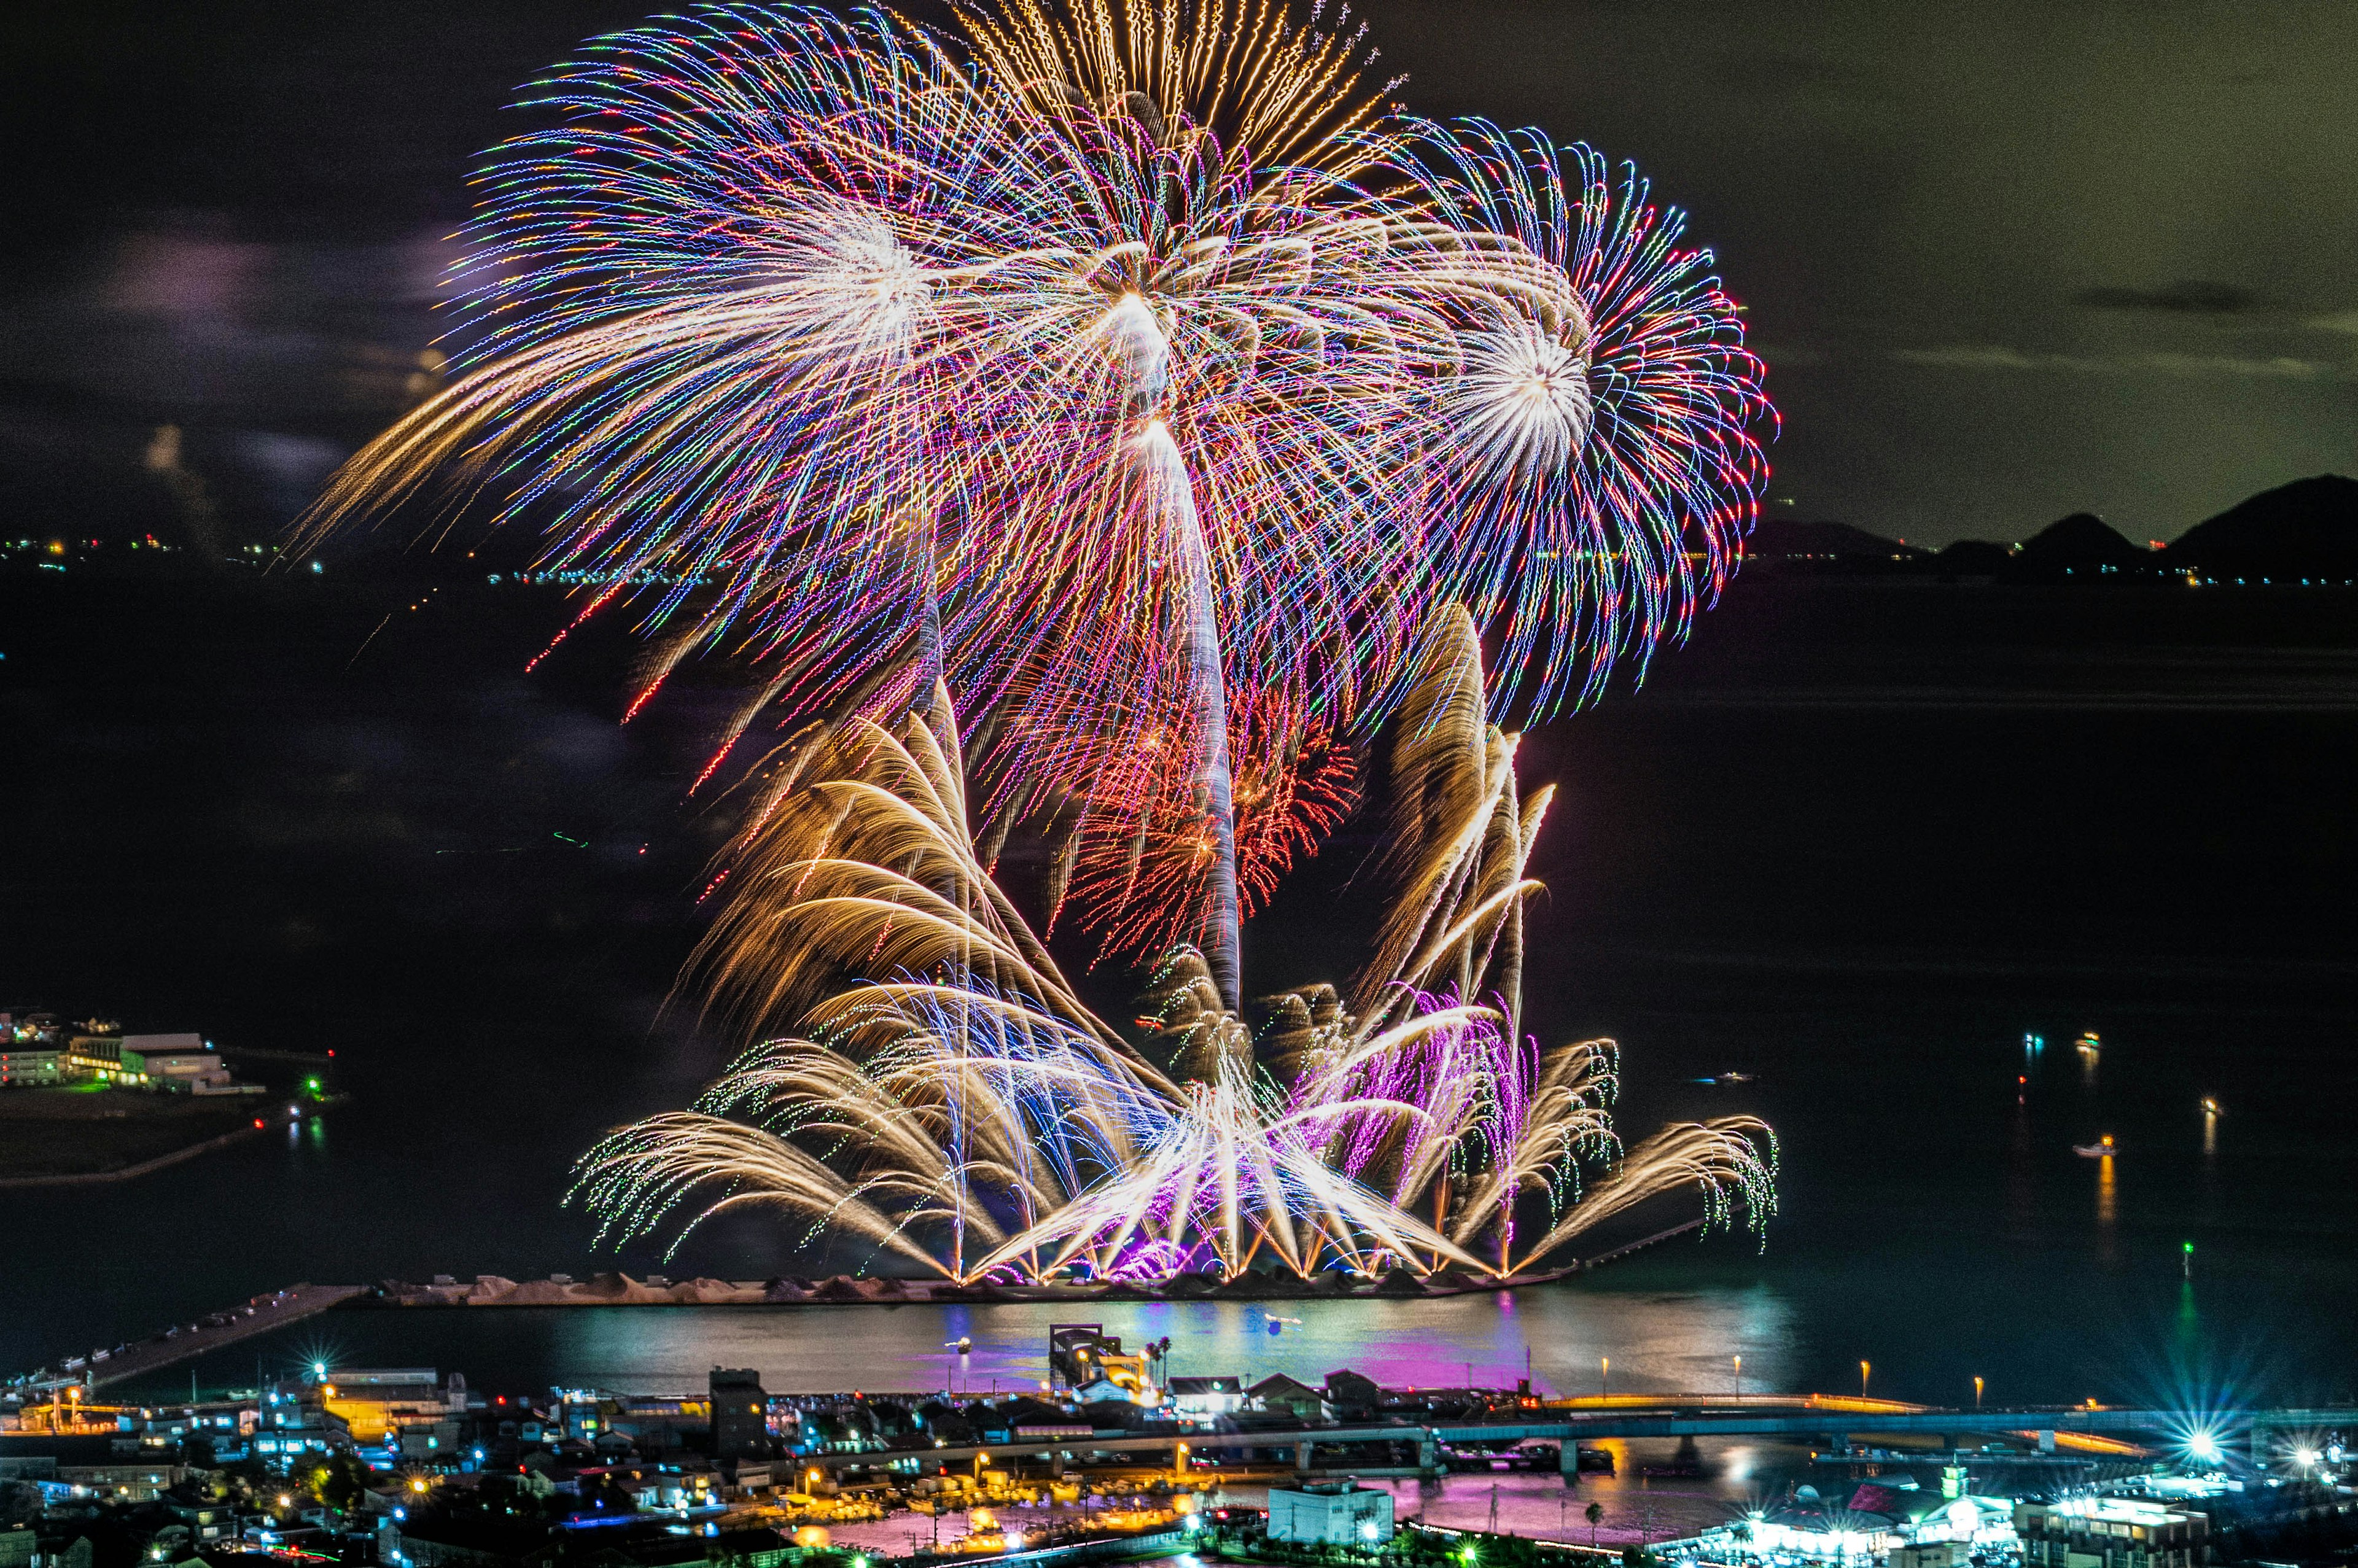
2210, 1105
2089, 1045
2102, 1149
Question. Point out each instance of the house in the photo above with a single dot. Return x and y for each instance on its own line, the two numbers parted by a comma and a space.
1281, 1395
1203, 1397
1348, 1394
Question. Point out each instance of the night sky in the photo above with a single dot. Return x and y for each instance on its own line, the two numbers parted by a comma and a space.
2007, 260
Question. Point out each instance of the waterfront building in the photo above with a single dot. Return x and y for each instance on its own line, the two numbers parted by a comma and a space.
1280, 1395
376, 1403
1331, 1513
1081, 1353
2111, 1532
1202, 1397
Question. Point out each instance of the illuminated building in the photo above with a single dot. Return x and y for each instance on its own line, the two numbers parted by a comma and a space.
1201, 1397
36, 1067
1331, 1513
2111, 1532
376, 1402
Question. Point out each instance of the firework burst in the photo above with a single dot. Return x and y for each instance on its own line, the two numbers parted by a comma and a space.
965, 1111
1127, 366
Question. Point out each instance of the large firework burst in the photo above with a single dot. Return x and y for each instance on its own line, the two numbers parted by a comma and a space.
1127, 365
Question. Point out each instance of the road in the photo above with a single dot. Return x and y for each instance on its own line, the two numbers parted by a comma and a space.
1806, 1417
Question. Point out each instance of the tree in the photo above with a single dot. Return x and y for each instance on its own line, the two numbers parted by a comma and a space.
1594, 1514
340, 1481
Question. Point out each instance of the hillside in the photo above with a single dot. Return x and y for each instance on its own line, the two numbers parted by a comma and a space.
2082, 544
2305, 529
1786, 539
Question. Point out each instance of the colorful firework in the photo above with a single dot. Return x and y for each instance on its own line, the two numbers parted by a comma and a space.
1123, 362
966, 1112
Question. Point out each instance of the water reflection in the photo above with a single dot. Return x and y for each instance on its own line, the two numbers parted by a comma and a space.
2021, 1186
1671, 1341
2107, 1211
1668, 1341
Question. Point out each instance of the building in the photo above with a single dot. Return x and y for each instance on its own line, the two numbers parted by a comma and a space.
741, 1414
30, 1066
376, 1402
1195, 1397
1081, 1353
1331, 1513
2111, 1532
1281, 1395
179, 1064
122, 1483
1929, 1554
94, 1056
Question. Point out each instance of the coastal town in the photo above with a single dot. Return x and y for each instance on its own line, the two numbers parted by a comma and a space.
1109, 1455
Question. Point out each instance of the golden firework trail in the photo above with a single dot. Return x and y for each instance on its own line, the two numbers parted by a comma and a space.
947, 1095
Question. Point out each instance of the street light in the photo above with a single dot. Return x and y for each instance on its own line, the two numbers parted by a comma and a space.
1739, 1376
1978, 1393
1604, 1376
1864, 1369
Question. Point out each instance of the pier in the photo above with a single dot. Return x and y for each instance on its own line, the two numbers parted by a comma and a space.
258, 1315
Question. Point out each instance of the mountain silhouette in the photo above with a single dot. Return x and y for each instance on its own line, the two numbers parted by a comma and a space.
2081, 546
1774, 538
2305, 529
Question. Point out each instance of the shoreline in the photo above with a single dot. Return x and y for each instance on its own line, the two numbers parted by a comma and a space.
131, 1172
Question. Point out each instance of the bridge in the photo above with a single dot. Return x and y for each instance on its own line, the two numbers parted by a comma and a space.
1827, 1419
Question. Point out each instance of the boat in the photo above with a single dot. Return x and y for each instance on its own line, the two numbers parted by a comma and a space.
2089, 1045
2102, 1149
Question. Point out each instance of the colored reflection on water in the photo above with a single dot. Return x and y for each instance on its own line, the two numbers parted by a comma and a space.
1656, 1340
1677, 1341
